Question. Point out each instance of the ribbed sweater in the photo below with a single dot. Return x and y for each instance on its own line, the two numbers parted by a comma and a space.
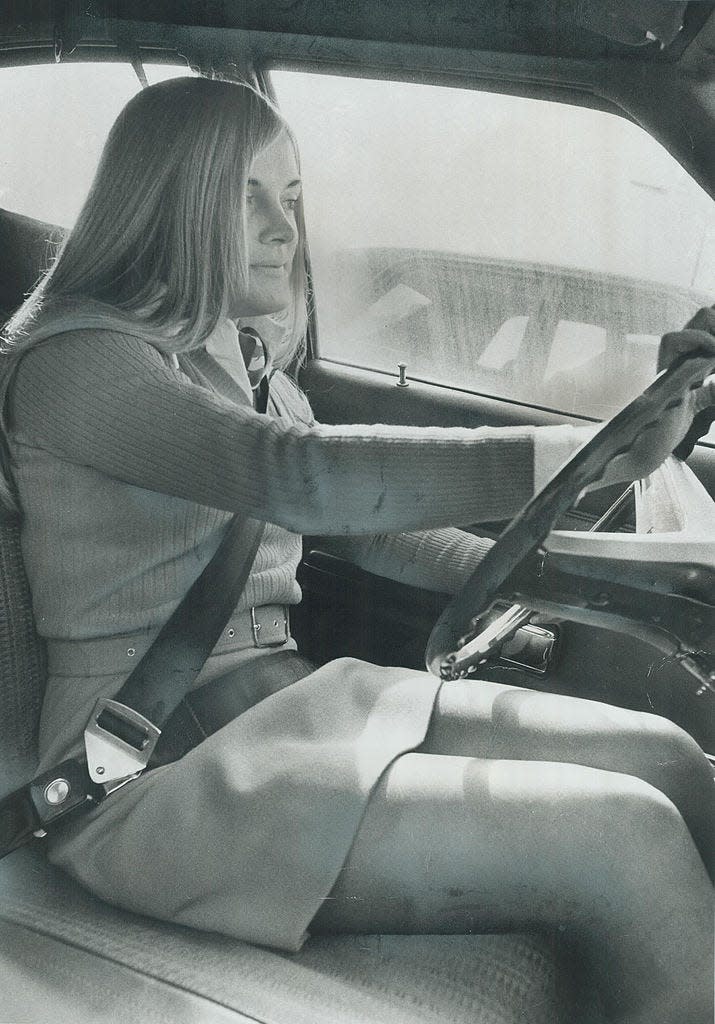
129, 464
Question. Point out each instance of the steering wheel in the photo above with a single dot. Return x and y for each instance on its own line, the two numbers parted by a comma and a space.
530, 527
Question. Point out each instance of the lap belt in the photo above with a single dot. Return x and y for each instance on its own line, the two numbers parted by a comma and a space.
122, 732
262, 626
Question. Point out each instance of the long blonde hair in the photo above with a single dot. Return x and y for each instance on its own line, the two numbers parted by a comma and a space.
161, 232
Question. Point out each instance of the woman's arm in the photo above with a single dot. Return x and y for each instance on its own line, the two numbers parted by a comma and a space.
114, 403
439, 560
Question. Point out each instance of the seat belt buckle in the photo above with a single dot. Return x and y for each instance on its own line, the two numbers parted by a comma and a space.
118, 742
30, 811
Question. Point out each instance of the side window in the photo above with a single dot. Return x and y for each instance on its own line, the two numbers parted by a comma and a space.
54, 119
524, 249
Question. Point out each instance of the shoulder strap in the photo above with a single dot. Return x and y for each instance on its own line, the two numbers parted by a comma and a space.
167, 671
121, 734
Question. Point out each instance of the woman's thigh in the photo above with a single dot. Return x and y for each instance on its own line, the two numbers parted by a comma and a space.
473, 718
454, 844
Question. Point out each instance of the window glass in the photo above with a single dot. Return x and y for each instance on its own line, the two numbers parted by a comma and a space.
54, 119
160, 72
529, 250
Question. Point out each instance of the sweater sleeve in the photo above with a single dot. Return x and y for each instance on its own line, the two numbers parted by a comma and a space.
114, 403
440, 560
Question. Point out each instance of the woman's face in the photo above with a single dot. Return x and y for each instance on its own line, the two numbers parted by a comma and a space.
271, 200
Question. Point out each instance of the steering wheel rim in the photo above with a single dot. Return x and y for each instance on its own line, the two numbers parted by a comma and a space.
530, 527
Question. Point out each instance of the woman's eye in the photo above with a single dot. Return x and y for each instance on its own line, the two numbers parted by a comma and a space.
290, 204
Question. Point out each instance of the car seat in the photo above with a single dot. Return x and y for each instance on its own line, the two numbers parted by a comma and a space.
67, 956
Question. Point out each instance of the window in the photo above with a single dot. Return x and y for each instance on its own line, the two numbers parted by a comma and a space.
54, 119
524, 249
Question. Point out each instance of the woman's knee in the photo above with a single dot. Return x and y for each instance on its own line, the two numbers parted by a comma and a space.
672, 758
640, 814
684, 750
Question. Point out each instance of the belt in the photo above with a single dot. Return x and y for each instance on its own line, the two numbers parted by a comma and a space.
261, 626
121, 735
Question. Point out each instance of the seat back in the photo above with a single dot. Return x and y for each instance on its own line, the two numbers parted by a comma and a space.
22, 664
26, 247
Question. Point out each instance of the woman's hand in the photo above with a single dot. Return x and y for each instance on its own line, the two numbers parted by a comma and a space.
698, 335
681, 426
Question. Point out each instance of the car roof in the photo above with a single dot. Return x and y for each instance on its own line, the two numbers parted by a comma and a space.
640, 30
650, 60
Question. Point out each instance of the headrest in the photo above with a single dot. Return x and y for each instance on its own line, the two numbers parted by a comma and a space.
27, 247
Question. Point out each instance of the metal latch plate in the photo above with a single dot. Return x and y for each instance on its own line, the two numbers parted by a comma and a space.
111, 758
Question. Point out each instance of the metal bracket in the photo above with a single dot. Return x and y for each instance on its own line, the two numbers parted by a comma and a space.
472, 651
68, 17
679, 626
119, 747
532, 648
508, 638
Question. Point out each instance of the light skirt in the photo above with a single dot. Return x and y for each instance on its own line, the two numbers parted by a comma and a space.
247, 833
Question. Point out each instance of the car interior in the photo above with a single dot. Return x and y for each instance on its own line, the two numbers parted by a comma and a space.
418, 325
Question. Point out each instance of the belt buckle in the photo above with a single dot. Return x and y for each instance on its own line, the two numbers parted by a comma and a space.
265, 633
113, 759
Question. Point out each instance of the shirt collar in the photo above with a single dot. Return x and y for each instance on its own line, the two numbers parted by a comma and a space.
242, 354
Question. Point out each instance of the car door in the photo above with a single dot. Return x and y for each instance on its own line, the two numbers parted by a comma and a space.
484, 259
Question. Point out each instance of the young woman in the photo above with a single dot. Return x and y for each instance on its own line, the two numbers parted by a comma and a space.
351, 797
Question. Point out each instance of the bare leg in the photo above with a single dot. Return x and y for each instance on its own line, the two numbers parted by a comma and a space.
485, 719
453, 844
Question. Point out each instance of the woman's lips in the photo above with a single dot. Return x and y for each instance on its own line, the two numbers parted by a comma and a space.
273, 269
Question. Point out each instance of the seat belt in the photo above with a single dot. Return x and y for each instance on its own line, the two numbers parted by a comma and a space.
123, 731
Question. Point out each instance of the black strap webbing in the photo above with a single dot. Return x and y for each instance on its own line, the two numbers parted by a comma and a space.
165, 674
155, 688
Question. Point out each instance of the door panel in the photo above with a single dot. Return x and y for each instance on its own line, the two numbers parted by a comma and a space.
348, 394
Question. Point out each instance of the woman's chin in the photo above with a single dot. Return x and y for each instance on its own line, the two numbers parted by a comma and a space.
248, 306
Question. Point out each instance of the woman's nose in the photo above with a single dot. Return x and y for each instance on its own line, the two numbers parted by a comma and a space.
278, 225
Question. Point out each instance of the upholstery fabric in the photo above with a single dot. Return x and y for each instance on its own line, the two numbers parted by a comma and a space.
26, 249
22, 665
464, 979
